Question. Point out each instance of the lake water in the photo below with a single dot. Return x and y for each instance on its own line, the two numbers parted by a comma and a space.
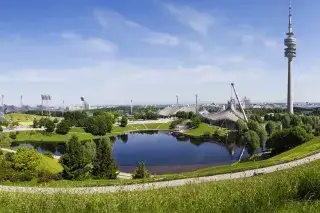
162, 152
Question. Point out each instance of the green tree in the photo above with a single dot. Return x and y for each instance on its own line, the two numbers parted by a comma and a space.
73, 160
141, 171
63, 127
182, 115
124, 121
252, 140
55, 120
26, 159
13, 135
295, 120
308, 128
195, 121
253, 125
104, 165
35, 123
286, 121
270, 127
263, 136
89, 151
286, 139
49, 125
1, 130
5, 140
241, 126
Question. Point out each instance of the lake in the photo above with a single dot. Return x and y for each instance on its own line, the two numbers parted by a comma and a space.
162, 152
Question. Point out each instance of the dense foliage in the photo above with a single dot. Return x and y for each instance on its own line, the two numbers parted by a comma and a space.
104, 165
124, 121
286, 139
252, 139
63, 127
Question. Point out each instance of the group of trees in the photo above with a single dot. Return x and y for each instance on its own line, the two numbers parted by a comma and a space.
145, 115
252, 133
47, 123
89, 159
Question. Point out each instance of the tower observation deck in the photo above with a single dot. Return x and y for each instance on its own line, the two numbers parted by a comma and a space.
290, 53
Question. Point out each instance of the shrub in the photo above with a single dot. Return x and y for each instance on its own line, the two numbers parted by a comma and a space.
5, 141
9, 156
63, 127
140, 171
13, 135
288, 138
124, 121
48, 154
26, 176
26, 158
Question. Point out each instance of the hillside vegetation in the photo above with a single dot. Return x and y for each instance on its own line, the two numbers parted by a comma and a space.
293, 190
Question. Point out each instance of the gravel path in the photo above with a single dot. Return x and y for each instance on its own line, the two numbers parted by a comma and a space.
163, 184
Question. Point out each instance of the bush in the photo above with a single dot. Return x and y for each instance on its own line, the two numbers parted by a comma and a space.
5, 141
9, 156
63, 127
26, 159
140, 171
48, 154
26, 176
124, 121
287, 139
13, 135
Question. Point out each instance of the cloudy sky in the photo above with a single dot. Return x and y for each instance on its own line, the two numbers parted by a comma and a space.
111, 51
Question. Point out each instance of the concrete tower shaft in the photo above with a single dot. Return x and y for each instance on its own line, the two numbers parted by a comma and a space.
290, 53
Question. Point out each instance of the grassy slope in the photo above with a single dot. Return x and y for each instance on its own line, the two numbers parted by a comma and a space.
204, 128
25, 136
51, 165
277, 192
24, 119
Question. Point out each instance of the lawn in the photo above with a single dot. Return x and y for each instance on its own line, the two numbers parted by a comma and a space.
50, 165
204, 128
284, 191
24, 119
27, 136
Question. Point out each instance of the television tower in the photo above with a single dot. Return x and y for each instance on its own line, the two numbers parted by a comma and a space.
131, 108
177, 96
290, 53
196, 103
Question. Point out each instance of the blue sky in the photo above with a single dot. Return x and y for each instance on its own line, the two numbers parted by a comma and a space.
111, 51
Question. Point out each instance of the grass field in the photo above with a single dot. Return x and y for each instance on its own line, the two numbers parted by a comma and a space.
204, 128
50, 165
293, 190
24, 119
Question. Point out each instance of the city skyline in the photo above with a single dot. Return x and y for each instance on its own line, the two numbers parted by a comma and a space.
113, 52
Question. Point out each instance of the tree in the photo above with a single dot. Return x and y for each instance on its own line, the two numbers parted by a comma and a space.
195, 122
13, 135
286, 139
89, 151
263, 136
286, 121
190, 115
63, 127
1, 130
140, 171
253, 125
241, 126
55, 120
35, 123
73, 160
295, 120
5, 141
270, 127
26, 159
252, 140
49, 125
308, 128
124, 121
104, 165
182, 115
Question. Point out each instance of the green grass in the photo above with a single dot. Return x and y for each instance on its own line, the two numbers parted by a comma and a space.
50, 165
277, 192
203, 127
39, 137
77, 130
24, 119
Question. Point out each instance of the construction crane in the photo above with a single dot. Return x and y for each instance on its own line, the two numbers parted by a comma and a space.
244, 116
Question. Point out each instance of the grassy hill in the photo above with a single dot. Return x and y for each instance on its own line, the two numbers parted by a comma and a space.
293, 190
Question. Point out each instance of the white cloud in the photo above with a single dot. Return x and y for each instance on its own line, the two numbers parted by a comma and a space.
162, 39
198, 21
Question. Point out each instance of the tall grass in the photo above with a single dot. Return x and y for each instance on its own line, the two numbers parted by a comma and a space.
278, 192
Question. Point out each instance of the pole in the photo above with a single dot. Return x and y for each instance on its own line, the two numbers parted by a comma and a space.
242, 110
196, 103
177, 96
131, 107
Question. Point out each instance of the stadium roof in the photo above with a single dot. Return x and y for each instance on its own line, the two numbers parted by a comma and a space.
228, 114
